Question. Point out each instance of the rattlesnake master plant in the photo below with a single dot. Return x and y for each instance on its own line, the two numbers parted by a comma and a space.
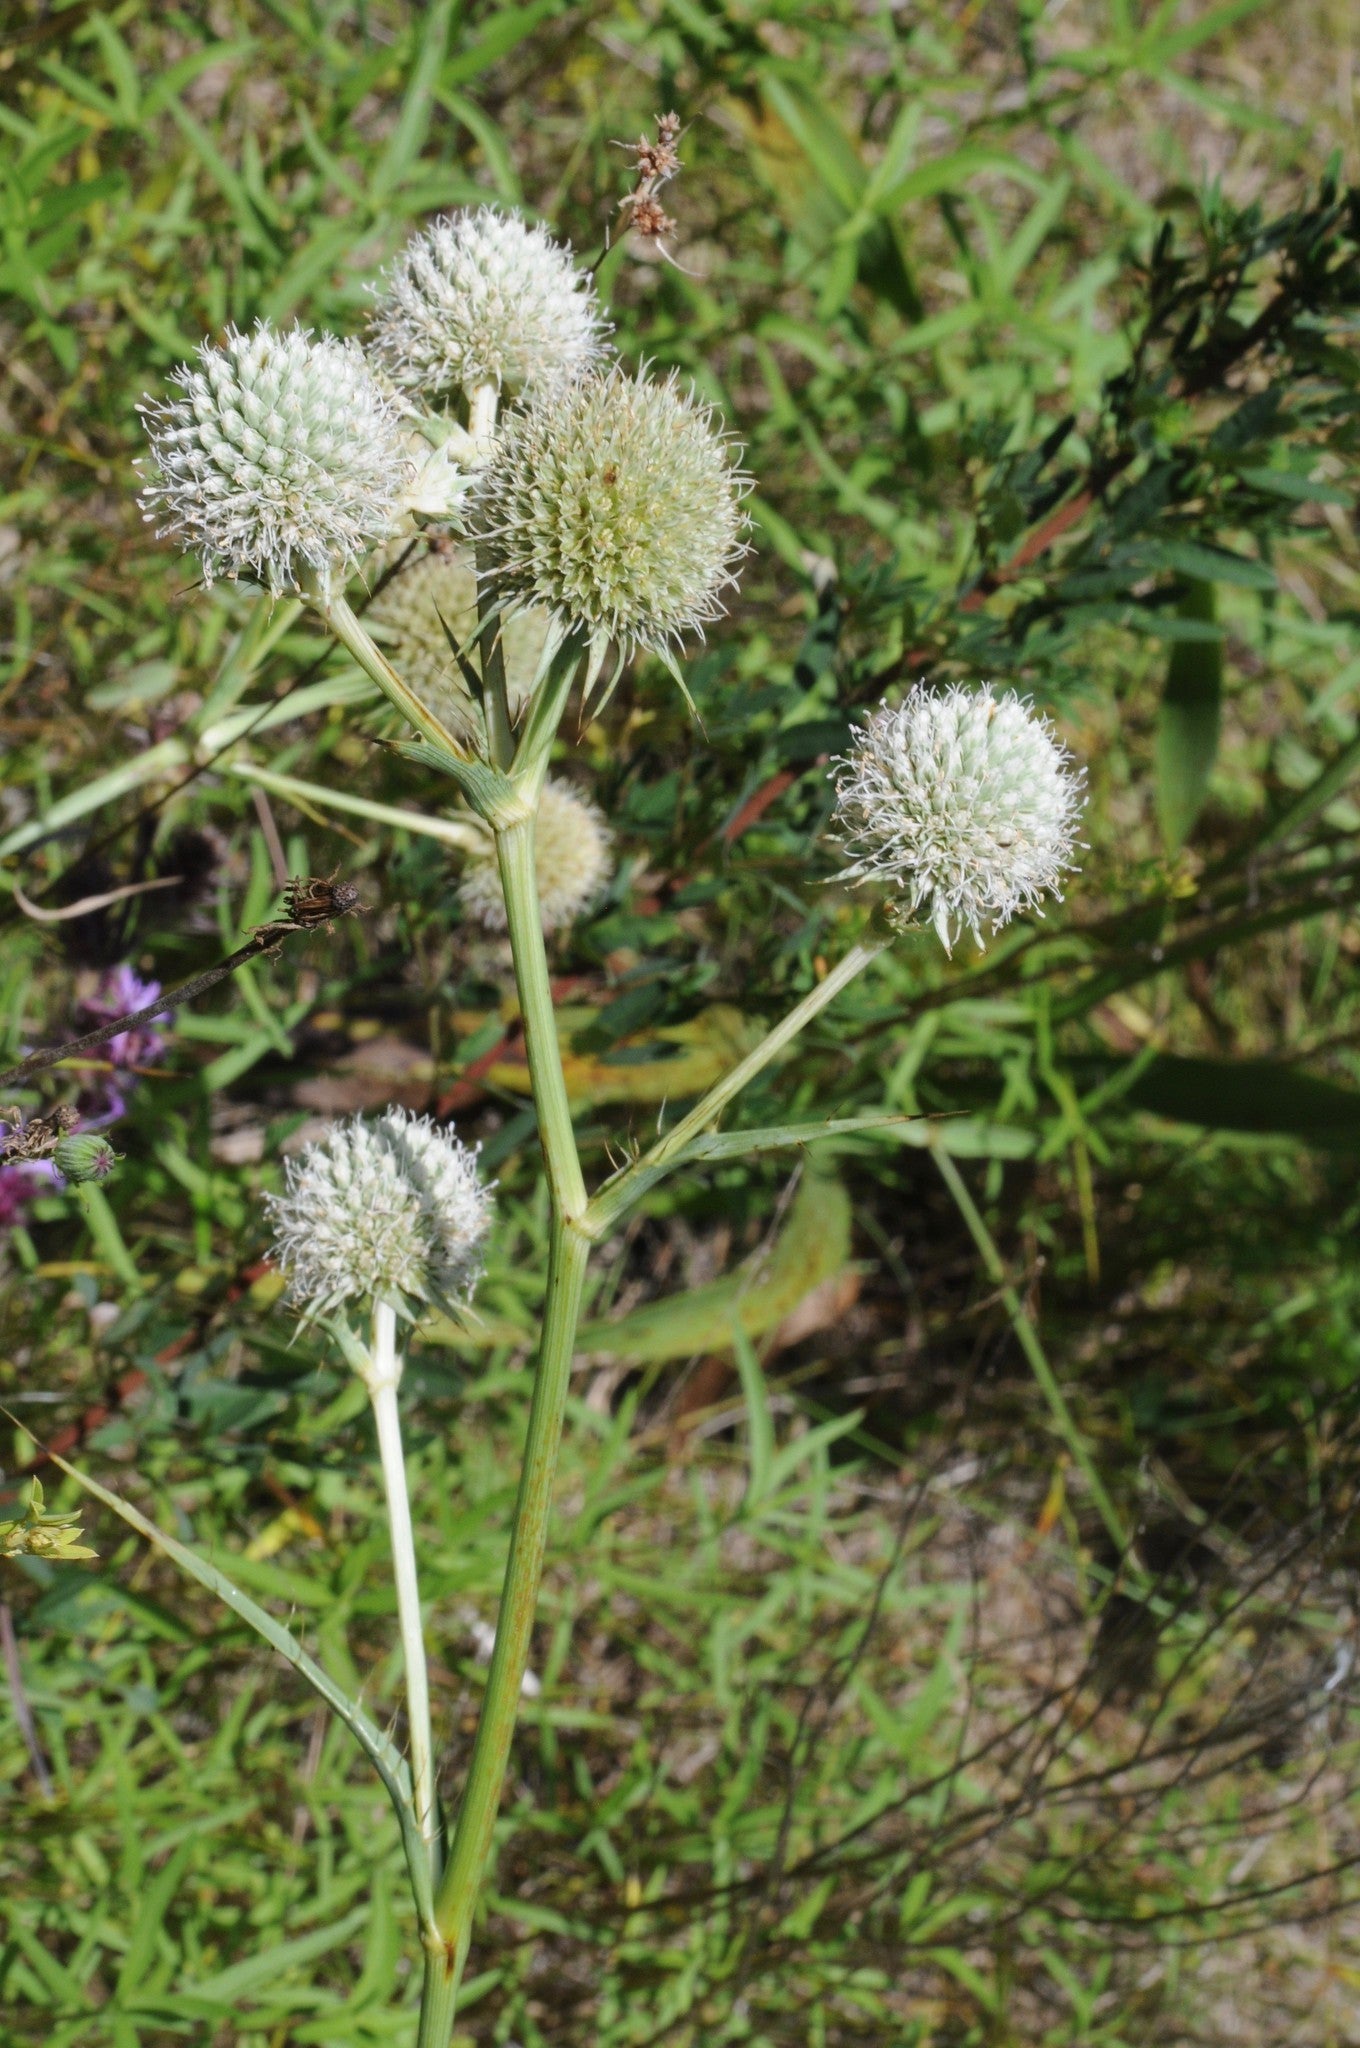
615, 504
572, 863
390, 1207
284, 457
480, 298
599, 508
964, 803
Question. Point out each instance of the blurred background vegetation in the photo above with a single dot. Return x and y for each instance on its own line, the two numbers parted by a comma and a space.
856, 1719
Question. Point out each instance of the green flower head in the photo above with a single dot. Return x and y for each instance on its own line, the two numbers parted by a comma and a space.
615, 504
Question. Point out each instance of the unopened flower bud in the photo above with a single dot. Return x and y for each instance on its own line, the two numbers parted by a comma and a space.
83, 1158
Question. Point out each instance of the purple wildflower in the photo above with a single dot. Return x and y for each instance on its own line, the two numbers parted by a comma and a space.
19, 1185
121, 993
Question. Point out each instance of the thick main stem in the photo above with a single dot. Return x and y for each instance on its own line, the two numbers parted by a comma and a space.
438, 1997
456, 1899
382, 1380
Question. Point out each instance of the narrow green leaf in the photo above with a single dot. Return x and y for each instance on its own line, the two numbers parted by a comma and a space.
759, 1421
504, 32
967, 1137
382, 1753
413, 124
1188, 721
242, 1979
155, 1904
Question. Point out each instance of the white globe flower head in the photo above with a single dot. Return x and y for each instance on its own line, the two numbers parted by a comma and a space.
480, 298
409, 614
572, 862
964, 803
389, 1206
615, 504
283, 458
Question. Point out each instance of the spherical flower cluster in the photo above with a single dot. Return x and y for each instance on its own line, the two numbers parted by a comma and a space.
389, 1206
479, 298
572, 863
282, 457
614, 504
409, 615
964, 803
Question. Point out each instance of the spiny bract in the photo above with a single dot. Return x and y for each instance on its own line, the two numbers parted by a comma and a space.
964, 803
616, 505
389, 1206
480, 298
409, 615
572, 863
283, 456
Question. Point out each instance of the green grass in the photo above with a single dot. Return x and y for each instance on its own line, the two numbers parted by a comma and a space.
850, 1729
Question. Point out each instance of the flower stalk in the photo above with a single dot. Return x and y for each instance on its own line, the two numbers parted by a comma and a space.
618, 1194
382, 1377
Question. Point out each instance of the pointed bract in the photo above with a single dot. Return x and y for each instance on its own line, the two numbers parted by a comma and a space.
414, 614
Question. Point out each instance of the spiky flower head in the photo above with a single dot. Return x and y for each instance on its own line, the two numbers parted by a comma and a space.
481, 298
964, 803
409, 615
282, 457
572, 863
616, 505
387, 1206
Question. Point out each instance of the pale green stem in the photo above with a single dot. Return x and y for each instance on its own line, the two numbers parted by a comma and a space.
1028, 1339
439, 1995
107, 1236
468, 838
482, 407
456, 1899
382, 1378
350, 631
616, 1194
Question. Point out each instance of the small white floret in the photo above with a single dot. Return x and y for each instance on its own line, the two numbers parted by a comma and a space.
390, 1206
964, 804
